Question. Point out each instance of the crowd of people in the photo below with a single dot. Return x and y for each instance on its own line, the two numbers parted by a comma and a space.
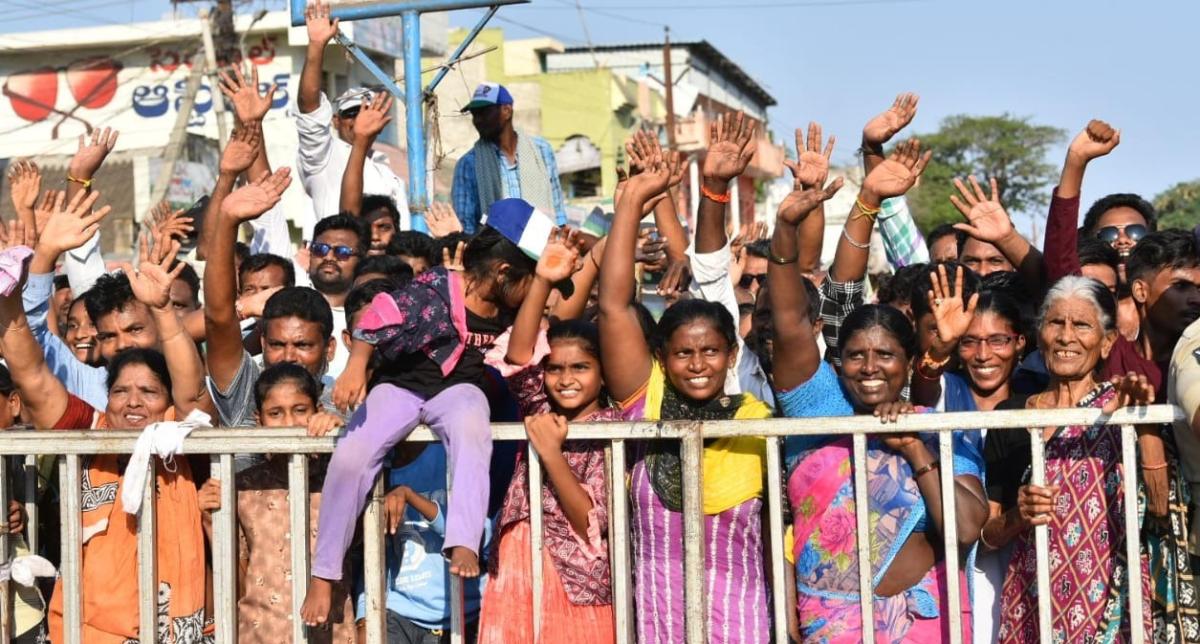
502, 313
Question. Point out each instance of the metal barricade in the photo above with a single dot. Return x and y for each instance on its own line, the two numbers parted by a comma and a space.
293, 444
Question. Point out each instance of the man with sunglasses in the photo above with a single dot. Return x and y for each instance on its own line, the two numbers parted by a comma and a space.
339, 243
322, 156
1120, 220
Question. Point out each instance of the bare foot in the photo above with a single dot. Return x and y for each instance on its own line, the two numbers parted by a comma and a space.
315, 609
463, 562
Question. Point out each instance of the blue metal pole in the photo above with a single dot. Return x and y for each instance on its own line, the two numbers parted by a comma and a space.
384, 78
462, 47
414, 107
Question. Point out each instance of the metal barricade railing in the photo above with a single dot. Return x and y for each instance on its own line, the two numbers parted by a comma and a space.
222, 444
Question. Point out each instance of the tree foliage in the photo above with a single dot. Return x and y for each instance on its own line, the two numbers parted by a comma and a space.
1179, 205
1012, 149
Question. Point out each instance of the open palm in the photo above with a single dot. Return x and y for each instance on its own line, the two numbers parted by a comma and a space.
884, 126
988, 221
898, 173
802, 201
253, 199
558, 258
241, 151
729, 149
951, 315
248, 104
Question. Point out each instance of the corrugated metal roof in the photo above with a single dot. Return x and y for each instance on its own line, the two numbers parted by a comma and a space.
703, 50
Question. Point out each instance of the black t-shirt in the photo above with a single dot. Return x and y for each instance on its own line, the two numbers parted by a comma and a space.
1006, 455
419, 374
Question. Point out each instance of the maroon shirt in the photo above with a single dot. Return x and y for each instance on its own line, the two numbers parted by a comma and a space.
1059, 251
1125, 358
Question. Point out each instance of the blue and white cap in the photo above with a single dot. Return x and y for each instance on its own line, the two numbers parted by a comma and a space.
488, 94
522, 224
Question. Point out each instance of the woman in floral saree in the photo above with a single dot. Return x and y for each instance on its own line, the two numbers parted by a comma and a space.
1082, 504
876, 346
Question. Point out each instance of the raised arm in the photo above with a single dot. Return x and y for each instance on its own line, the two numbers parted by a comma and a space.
989, 222
220, 277
88, 158
24, 184
953, 318
811, 171
666, 216
371, 120
796, 352
239, 155
885, 125
1062, 255
556, 264
729, 152
891, 178
151, 285
624, 348
249, 108
43, 395
321, 29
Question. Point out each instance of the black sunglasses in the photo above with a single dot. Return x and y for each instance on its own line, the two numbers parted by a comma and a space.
747, 280
350, 112
320, 250
1110, 234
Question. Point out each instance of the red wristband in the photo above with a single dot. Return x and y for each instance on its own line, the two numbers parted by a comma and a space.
712, 196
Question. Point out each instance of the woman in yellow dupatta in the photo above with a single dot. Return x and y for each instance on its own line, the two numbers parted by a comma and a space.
142, 390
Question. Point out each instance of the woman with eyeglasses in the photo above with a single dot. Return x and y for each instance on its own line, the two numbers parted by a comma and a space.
987, 337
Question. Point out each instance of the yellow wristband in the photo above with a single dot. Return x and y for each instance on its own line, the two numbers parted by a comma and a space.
86, 183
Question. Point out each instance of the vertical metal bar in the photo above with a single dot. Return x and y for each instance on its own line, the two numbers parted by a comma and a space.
458, 614
374, 565
866, 589
692, 457
462, 48
618, 536
298, 516
71, 570
225, 551
535, 538
775, 513
32, 516
1133, 557
1037, 448
414, 117
950, 533
147, 558
6, 588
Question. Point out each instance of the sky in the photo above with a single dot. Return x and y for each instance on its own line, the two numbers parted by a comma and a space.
1060, 62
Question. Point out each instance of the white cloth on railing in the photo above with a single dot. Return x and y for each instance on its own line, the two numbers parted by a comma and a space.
25, 568
164, 439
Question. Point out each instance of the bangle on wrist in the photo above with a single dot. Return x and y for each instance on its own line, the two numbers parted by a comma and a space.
931, 369
983, 540
927, 468
726, 197
86, 183
1155, 466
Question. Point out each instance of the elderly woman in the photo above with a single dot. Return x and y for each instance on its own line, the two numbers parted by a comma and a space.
142, 389
906, 507
1083, 503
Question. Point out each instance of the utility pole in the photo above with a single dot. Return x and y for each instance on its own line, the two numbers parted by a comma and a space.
210, 57
669, 86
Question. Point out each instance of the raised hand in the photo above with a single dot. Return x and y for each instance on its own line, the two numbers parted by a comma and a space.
373, 117
802, 201
1096, 140
812, 164
676, 278
72, 224
441, 220
164, 220
248, 105
1132, 389
559, 257
729, 148
651, 250
899, 172
24, 184
242, 150
546, 432
321, 29
151, 280
987, 219
92, 152
253, 199
884, 126
16, 234
660, 167
45, 209
454, 262
952, 316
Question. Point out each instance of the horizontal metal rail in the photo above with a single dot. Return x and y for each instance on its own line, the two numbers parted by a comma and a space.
222, 444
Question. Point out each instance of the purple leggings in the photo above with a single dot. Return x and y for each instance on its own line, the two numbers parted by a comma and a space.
460, 417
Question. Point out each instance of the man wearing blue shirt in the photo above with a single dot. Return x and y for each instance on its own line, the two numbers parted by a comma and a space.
504, 163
